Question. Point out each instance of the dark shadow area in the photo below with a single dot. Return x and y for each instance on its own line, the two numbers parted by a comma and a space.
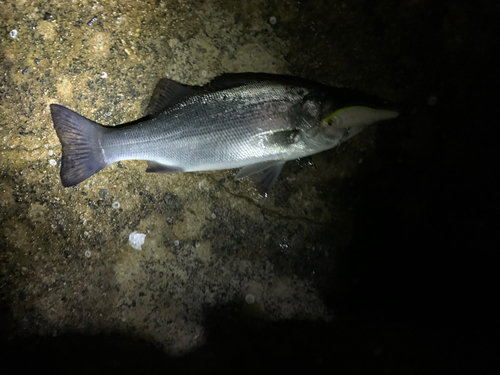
368, 342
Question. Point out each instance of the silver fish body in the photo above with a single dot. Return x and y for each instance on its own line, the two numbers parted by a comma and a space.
221, 130
253, 122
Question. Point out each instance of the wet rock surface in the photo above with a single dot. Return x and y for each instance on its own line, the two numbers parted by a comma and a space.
352, 252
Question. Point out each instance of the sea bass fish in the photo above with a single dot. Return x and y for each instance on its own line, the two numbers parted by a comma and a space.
256, 122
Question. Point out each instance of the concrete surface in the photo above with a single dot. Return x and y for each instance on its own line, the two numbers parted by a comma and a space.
66, 265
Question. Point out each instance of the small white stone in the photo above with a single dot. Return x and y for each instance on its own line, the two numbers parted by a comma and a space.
272, 20
213, 216
176, 243
87, 253
173, 42
136, 240
52, 162
249, 298
104, 75
13, 33
116, 204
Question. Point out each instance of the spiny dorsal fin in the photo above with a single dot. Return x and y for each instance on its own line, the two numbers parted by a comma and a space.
232, 80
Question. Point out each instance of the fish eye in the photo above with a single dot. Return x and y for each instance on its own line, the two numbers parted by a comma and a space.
328, 122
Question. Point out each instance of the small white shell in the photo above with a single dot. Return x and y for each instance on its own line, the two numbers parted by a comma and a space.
136, 240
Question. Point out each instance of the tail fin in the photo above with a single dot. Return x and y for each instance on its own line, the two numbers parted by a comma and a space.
82, 156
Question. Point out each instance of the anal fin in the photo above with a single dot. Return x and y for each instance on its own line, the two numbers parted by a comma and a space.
155, 167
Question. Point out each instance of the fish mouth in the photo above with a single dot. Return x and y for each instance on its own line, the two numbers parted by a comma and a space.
356, 115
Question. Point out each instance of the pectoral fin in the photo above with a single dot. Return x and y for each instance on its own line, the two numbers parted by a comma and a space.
264, 174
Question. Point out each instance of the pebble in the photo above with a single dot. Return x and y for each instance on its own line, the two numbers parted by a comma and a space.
249, 298
92, 21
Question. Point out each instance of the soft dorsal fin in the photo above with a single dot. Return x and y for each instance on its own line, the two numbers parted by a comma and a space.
166, 94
